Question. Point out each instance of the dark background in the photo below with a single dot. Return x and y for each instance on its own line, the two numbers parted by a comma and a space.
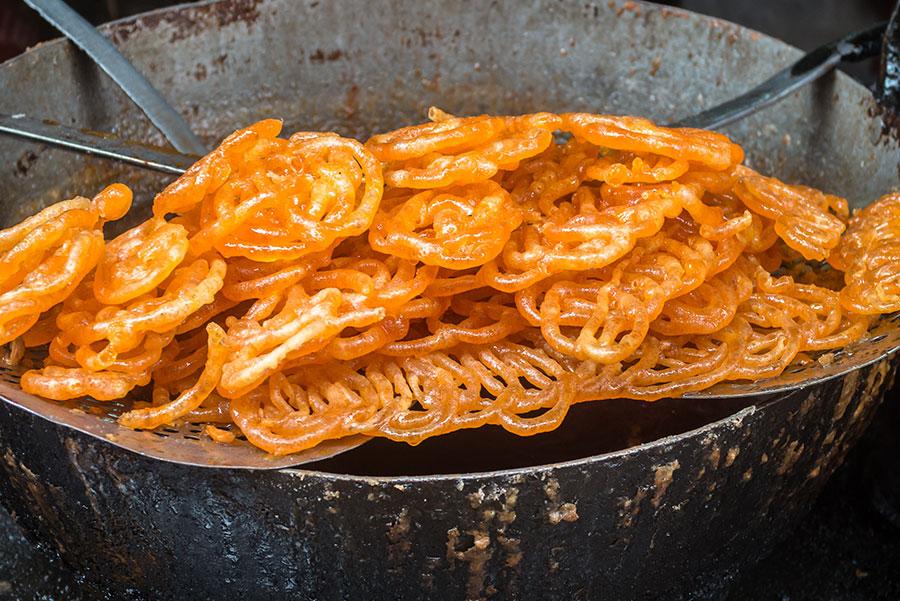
848, 549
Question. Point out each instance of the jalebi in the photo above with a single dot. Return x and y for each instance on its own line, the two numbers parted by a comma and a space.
869, 256
467, 271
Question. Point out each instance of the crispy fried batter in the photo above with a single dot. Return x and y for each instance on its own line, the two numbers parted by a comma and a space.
463, 272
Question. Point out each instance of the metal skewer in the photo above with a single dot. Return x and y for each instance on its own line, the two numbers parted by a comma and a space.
106, 146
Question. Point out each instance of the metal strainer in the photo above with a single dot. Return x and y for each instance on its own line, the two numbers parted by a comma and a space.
183, 443
186, 443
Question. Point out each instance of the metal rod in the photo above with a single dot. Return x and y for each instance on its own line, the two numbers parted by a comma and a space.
106, 146
813, 65
135, 85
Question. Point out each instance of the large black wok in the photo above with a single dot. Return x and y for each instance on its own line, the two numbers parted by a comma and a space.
627, 500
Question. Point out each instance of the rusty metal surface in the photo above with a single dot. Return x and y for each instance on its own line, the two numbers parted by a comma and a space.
676, 514
357, 71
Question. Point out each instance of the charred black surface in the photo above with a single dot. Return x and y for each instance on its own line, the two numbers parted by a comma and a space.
887, 88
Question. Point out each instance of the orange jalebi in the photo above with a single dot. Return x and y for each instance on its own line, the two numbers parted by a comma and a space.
807, 220
452, 150
455, 228
45, 257
268, 199
139, 260
869, 255
467, 271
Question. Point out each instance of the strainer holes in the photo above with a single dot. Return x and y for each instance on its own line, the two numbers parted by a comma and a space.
190, 437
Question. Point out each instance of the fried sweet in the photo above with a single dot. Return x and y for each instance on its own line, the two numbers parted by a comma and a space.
49, 283
582, 235
540, 182
209, 173
621, 311
457, 151
118, 330
389, 282
64, 383
444, 134
248, 279
869, 256
456, 228
27, 244
268, 199
305, 324
458, 273
328, 188
45, 257
628, 168
706, 149
808, 220
592, 232
469, 319
190, 399
408, 399
708, 308
139, 260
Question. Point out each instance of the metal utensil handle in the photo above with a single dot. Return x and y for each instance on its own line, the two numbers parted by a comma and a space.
109, 147
854, 47
135, 85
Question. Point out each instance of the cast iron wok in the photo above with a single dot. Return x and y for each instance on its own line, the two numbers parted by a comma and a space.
627, 500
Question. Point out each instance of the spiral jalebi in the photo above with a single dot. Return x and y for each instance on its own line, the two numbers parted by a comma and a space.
45, 257
452, 150
868, 256
463, 272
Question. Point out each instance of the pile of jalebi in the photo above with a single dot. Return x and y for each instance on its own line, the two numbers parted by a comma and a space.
468, 271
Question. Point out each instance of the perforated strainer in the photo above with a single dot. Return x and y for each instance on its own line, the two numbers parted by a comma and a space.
182, 443
186, 443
